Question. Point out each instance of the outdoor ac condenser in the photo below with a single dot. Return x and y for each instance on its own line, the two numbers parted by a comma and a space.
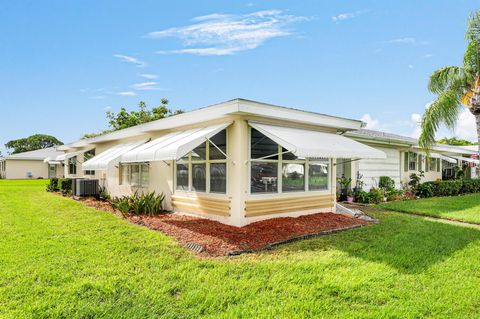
85, 187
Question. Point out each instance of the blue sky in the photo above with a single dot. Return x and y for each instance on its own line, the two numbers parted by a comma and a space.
64, 63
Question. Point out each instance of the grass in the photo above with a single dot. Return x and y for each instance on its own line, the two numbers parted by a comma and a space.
461, 208
59, 259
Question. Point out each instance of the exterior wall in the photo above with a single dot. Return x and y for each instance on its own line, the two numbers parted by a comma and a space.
18, 169
237, 207
372, 169
429, 176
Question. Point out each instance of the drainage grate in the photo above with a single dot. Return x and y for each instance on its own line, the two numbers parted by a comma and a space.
195, 247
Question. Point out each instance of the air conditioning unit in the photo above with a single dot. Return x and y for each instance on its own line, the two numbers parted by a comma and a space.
85, 187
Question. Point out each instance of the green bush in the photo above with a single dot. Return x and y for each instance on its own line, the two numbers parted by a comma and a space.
52, 186
425, 190
386, 183
454, 187
362, 197
65, 185
137, 204
375, 196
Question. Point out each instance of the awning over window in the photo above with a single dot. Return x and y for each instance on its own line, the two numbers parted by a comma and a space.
69, 155
109, 157
173, 145
467, 159
448, 159
314, 144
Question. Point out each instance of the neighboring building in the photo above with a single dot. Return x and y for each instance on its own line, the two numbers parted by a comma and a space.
405, 157
236, 162
31, 165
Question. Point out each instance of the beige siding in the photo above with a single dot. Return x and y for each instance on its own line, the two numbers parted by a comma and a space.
18, 169
372, 169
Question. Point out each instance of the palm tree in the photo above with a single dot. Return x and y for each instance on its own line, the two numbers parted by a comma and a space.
455, 86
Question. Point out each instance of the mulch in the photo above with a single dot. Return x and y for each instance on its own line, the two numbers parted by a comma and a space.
218, 239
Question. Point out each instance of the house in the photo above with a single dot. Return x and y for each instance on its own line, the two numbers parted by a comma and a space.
31, 165
236, 162
404, 157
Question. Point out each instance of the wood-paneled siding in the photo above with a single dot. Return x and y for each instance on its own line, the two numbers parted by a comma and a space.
260, 207
202, 205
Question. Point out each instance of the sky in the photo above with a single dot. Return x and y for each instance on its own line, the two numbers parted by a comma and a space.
63, 64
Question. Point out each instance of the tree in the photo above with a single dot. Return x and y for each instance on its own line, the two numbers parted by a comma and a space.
454, 86
32, 143
455, 141
124, 119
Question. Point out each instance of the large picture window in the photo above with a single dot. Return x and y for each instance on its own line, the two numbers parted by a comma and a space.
273, 169
87, 156
135, 174
204, 169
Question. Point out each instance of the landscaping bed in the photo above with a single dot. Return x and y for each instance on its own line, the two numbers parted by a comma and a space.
218, 239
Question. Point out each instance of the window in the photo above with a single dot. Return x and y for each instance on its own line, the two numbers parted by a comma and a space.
412, 161
135, 174
72, 165
204, 169
274, 169
433, 165
87, 156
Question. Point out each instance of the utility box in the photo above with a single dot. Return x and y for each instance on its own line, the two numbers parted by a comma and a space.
85, 187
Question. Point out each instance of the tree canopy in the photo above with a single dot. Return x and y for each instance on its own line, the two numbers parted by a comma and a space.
32, 143
454, 86
455, 141
124, 118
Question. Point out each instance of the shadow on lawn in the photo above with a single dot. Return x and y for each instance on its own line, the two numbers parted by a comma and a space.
409, 244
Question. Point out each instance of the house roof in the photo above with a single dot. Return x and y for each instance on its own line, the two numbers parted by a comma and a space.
38, 155
220, 110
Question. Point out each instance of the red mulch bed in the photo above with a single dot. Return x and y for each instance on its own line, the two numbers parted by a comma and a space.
219, 239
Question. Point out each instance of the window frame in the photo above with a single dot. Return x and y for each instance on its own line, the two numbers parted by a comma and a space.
128, 166
72, 162
412, 159
280, 161
87, 156
187, 160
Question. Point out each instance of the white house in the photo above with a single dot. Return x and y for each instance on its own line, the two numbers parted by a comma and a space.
31, 165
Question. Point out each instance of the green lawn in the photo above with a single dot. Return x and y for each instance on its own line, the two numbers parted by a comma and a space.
462, 208
59, 259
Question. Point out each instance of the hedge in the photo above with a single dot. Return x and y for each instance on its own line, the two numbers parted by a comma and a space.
65, 185
456, 187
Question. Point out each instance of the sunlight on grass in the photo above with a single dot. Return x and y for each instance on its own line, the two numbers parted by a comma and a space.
61, 259
462, 208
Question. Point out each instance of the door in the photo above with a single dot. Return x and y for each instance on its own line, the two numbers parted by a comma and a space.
52, 171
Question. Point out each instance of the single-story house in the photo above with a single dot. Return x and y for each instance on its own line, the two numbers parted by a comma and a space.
404, 157
236, 162
31, 165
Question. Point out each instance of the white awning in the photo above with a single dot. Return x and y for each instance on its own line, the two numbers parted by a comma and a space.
173, 145
448, 159
111, 156
69, 155
466, 159
314, 144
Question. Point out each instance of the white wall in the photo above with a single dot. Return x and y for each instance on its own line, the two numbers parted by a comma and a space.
372, 169
18, 169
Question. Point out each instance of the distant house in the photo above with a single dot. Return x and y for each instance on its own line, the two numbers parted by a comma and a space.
404, 157
31, 165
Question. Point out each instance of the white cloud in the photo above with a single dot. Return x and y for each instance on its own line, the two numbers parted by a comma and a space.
146, 86
466, 127
428, 55
130, 59
348, 15
410, 66
226, 34
372, 124
406, 40
127, 93
149, 76
416, 122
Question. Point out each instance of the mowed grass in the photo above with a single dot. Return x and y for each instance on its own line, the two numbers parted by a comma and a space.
462, 208
59, 259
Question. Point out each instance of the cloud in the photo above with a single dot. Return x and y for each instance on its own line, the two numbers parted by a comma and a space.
348, 15
416, 122
149, 76
372, 124
410, 66
406, 40
428, 55
127, 93
227, 34
146, 86
466, 127
130, 59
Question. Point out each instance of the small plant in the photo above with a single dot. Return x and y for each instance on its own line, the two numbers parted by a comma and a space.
344, 185
65, 186
415, 180
424, 190
103, 194
375, 196
362, 196
137, 204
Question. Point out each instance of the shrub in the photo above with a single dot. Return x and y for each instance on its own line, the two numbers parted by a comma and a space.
395, 194
148, 203
52, 186
386, 183
362, 197
103, 194
425, 190
375, 196
415, 180
65, 185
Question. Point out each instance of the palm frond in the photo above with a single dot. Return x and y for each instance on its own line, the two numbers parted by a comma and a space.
471, 60
444, 110
473, 27
442, 79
